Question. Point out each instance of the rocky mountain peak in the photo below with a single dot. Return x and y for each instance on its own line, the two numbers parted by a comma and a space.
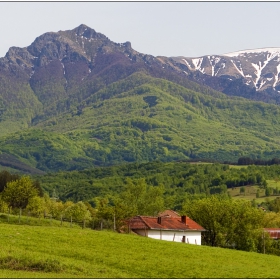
81, 29
244, 73
87, 32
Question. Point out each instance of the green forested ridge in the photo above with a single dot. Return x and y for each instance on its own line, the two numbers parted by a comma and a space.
179, 180
141, 119
18, 105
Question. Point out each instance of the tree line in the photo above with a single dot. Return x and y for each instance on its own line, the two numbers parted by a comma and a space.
178, 179
19, 194
250, 161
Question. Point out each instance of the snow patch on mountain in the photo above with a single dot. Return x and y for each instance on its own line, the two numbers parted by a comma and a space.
276, 76
197, 64
259, 67
187, 63
213, 61
253, 51
237, 68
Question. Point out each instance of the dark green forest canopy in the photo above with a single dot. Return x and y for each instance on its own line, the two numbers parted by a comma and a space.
179, 179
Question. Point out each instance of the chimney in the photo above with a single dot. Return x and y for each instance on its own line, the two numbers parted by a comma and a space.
184, 219
159, 220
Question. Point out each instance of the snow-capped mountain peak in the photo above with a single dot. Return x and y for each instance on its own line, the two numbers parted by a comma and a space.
254, 51
259, 68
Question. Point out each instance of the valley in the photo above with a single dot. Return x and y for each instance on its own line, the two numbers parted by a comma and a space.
95, 132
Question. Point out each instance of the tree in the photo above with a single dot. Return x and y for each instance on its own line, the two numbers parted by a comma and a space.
3, 205
104, 208
121, 214
264, 183
18, 193
142, 199
244, 161
6, 177
36, 206
271, 220
228, 222
267, 191
242, 190
37, 186
211, 213
274, 205
55, 208
78, 212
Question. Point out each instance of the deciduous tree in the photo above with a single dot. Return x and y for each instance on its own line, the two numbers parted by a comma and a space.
78, 212
18, 193
228, 222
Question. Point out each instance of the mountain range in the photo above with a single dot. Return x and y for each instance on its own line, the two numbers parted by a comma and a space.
253, 74
74, 99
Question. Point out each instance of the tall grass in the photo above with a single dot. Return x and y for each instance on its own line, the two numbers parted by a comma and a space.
57, 252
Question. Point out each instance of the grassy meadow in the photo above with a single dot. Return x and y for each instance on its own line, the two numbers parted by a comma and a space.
251, 192
60, 252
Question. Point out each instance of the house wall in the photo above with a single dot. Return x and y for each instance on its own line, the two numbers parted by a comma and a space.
141, 232
191, 237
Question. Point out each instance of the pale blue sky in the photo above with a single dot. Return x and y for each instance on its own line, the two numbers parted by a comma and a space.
158, 28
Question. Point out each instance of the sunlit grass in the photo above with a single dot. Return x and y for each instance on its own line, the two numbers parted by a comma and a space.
54, 252
251, 192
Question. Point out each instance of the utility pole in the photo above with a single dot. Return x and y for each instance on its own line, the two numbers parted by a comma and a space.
114, 221
263, 243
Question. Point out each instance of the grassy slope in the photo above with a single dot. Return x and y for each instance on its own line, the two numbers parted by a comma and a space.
78, 253
251, 191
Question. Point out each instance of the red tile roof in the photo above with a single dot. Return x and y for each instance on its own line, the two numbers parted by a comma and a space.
273, 232
169, 213
165, 223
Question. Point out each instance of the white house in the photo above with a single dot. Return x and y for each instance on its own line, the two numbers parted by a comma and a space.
169, 226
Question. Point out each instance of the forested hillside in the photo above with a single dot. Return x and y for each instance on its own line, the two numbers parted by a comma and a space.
74, 100
140, 119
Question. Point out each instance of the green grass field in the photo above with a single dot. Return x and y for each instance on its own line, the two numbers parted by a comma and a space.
59, 252
251, 191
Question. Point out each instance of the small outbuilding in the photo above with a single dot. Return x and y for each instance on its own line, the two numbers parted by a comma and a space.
274, 233
169, 226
